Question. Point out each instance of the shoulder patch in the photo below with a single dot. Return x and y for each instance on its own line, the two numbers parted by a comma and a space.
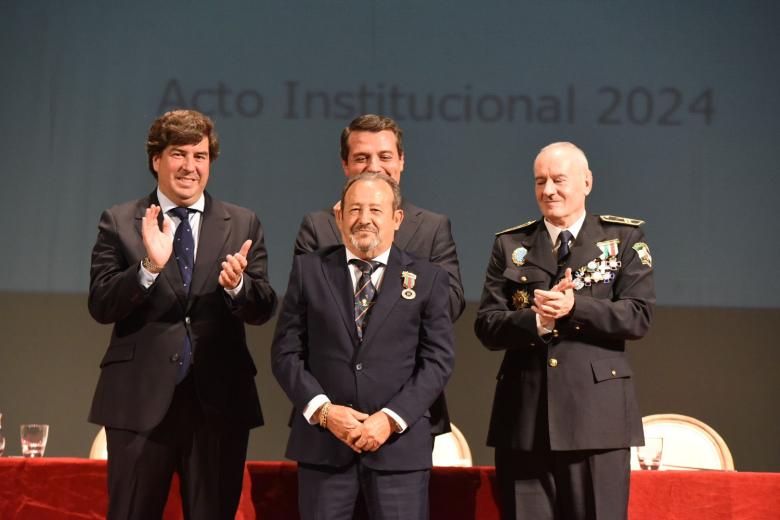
515, 228
612, 219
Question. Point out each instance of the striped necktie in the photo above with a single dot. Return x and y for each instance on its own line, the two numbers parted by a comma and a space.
365, 292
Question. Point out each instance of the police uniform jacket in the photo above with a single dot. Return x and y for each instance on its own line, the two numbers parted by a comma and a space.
572, 389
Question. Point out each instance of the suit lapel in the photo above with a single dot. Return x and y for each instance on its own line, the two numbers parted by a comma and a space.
388, 295
334, 229
540, 250
214, 232
585, 249
336, 273
408, 226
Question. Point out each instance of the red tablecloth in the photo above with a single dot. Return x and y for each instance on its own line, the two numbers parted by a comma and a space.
52, 488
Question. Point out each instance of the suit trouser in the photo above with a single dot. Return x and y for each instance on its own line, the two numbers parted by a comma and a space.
570, 485
330, 493
208, 453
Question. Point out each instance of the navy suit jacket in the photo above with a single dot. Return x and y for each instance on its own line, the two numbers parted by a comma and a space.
403, 362
138, 371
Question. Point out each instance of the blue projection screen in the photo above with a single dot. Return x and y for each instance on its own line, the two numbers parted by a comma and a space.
675, 103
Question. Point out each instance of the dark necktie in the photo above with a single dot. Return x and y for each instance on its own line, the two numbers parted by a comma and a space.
184, 252
565, 237
563, 250
365, 292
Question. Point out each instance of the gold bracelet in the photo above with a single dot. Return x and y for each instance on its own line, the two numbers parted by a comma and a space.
151, 266
324, 415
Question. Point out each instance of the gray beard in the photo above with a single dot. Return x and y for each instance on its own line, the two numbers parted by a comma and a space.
363, 248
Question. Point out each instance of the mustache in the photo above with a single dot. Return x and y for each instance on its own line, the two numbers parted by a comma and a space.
364, 227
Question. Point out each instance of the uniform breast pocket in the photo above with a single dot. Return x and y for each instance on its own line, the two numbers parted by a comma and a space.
611, 368
522, 282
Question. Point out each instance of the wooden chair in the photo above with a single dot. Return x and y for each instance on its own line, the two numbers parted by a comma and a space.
98, 450
451, 449
688, 444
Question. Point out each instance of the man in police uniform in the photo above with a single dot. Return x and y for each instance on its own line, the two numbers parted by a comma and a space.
562, 295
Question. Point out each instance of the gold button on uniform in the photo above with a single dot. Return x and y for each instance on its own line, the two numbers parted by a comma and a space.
614, 372
555, 333
523, 279
553, 362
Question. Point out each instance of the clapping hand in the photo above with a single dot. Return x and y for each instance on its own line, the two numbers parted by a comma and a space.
158, 243
233, 267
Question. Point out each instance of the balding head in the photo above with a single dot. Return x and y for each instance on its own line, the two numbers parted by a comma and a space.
570, 150
562, 181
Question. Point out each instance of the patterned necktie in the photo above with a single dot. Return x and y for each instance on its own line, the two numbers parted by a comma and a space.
184, 252
365, 292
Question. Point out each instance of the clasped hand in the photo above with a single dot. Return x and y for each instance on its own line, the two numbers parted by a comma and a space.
360, 431
555, 303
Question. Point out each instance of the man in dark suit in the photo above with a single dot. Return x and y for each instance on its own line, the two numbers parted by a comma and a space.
178, 273
363, 346
374, 143
561, 297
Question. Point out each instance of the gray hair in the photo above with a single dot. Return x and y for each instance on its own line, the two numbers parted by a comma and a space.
568, 146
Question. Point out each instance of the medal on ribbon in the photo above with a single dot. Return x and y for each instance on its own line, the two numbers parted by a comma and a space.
408, 283
601, 269
609, 248
518, 256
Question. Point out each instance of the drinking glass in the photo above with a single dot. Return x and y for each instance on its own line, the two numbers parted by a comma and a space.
649, 455
34, 437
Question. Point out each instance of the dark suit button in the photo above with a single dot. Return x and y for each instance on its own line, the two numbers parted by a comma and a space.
175, 358
359, 367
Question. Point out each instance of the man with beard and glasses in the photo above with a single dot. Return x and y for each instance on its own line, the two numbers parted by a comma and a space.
178, 273
363, 346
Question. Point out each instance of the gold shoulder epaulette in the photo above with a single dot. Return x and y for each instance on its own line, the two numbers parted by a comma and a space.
515, 228
612, 219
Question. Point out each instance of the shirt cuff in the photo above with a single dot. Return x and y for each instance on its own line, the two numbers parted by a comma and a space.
541, 330
397, 418
314, 405
233, 293
145, 277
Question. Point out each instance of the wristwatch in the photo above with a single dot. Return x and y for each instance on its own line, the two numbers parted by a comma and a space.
151, 266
